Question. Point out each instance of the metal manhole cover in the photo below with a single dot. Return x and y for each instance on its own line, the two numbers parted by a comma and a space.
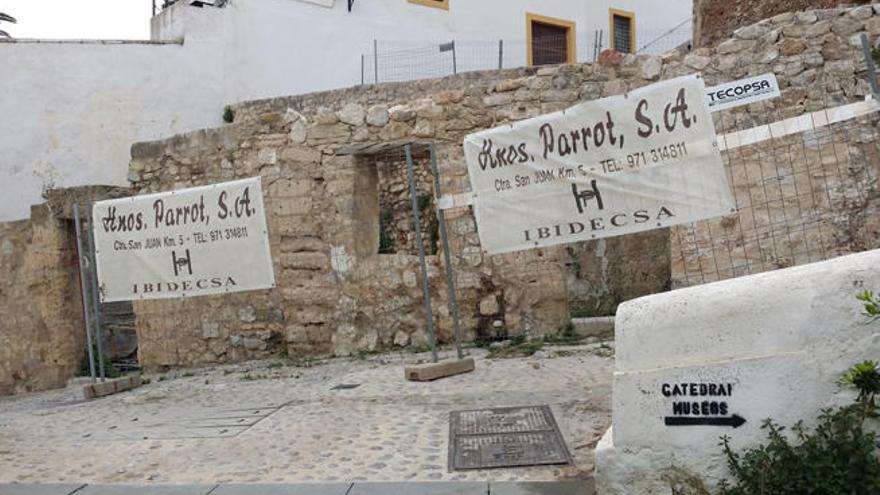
505, 437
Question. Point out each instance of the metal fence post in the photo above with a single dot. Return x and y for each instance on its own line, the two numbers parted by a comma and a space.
96, 302
500, 54
450, 280
376, 61
418, 229
872, 68
87, 315
454, 61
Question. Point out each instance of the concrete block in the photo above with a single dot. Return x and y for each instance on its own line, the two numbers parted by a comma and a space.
433, 371
583, 487
601, 327
283, 489
426, 488
147, 490
39, 489
109, 387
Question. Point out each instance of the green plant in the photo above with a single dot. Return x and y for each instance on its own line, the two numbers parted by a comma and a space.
871, 305
110, 371
519, 347
386, 242
838, 457
566, 336
865, 377
228, 115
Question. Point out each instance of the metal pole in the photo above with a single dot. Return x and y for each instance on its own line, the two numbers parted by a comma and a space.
376, 61
418, 228
82, 284
450, 280
99, 337
872, 69
454, 62
500, 54
362, 69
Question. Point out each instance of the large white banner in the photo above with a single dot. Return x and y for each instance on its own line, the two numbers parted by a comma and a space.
619, 165
190, 242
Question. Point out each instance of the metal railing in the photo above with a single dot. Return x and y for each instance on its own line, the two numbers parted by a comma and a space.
407, 61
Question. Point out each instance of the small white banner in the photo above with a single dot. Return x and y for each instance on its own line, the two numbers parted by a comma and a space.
191, 242
615, 166
742, 92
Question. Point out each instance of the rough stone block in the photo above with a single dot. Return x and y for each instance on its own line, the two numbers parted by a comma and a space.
600, 327
426, 488
433, 371
100, 389
583, 487
297, 489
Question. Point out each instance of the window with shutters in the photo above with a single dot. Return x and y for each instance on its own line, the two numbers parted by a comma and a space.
440, 4
549, 40
623, 30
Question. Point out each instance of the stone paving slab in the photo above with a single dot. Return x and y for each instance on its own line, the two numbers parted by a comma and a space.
584, 487
277, 489
423, 488
388, 429
146, 490
543, 488
42, 489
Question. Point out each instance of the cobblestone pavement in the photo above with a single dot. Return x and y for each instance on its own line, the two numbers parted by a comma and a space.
276, 421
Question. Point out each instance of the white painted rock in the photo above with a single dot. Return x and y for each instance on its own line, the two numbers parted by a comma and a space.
718, 359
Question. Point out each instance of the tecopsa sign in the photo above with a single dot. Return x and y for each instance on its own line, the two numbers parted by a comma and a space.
615, 166
742, 92
190, 242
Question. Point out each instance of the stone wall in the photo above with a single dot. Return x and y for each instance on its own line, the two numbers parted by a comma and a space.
41, 328
337, 295
716, 20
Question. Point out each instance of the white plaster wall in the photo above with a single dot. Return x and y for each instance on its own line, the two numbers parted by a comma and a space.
281, 47
71, 110
782, 338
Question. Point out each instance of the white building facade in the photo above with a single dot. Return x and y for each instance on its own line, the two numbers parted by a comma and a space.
72, 109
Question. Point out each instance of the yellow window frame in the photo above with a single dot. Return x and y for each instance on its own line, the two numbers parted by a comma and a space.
632, 27
570, 35
432, 3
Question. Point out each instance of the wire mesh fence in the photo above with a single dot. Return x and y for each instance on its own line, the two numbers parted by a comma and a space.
402, 61
800, 198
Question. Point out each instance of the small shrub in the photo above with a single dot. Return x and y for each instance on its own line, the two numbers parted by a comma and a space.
386, 242
228, 115
110, 371
871, 305
566, 336
838, 457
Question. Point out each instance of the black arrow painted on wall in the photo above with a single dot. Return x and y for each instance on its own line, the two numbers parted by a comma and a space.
735, 421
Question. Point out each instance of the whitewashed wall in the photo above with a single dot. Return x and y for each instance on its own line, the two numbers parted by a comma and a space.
293, 46
71, 110
781, 339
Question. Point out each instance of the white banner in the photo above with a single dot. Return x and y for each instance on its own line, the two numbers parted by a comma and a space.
191, 242
624, 164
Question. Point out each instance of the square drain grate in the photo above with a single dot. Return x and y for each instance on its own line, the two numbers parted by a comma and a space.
505, 437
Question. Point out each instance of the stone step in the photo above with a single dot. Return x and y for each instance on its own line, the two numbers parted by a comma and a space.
599, 327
